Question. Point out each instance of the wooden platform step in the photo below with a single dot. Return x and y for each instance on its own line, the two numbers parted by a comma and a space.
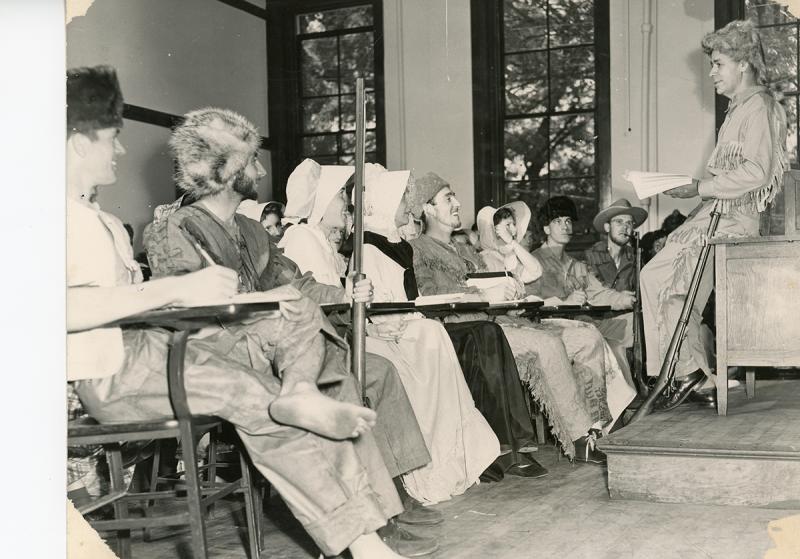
691, 455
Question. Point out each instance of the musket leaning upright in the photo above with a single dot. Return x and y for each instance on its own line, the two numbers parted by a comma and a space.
359, 313
639, 356
667, 372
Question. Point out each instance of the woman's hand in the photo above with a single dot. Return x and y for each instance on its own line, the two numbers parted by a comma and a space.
391, 330
686, 191
360, 292
503, 233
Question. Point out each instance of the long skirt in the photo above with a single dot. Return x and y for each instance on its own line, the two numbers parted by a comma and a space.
491, 374
460, 441
665, 283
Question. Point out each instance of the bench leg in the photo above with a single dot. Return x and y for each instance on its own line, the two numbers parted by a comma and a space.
750, 382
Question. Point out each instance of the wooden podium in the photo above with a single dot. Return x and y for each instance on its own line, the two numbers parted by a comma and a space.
758, 296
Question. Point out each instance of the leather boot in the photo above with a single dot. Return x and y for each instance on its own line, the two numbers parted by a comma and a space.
404, 542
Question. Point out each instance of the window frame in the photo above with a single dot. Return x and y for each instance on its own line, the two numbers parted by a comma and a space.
283, 82
489, 97
726, 11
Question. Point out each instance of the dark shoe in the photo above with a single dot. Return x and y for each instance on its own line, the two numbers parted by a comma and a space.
404, 542
704, 397
416, 514
586, 450
526, 467
493, 473
682, 389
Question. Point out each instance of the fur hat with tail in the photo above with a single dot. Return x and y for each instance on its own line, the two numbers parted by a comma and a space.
94, 99
212, 146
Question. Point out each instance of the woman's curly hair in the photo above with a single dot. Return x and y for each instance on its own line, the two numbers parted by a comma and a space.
739, 40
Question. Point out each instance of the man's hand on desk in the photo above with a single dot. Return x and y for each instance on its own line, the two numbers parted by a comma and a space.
209, 284
626, 302
577, 297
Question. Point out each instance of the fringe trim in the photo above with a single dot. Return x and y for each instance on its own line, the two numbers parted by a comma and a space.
682, 269
531, 374
729, 156
439, 264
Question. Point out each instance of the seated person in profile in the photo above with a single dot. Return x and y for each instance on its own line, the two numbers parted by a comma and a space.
612, 260
499, 230
210, 228
432, 390
572, 400
261, 376
572, 281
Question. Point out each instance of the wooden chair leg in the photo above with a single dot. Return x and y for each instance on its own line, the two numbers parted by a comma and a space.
750, 382
153, 487
194, 492
211, 468
114, 458
250, 508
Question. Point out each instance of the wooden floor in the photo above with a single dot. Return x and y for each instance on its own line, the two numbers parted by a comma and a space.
749, 457
567, 514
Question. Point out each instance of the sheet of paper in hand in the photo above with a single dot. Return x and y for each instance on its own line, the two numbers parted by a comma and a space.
647, 184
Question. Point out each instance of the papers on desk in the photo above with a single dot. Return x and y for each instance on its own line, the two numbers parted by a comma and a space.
648, 184
444, 298
272, 296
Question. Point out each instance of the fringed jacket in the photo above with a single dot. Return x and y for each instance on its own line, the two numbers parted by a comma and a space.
749, 159
440, 268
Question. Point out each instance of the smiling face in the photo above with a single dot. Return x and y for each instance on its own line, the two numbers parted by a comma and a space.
727, 74
100, 156
559, 231
445, 208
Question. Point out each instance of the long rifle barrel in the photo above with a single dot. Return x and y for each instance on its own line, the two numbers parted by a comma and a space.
671, 358
359, 309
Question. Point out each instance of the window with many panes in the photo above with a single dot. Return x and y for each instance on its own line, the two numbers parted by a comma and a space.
315, 51
779, 31
334, 48
548, 121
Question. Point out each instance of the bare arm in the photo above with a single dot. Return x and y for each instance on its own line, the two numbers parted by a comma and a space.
92, 307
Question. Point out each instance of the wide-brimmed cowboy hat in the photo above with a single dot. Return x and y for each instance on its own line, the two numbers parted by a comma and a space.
621, 206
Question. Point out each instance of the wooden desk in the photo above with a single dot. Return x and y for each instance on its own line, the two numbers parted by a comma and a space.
758, 306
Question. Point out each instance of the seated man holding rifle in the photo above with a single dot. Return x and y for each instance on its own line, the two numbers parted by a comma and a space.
210, 232
262, 376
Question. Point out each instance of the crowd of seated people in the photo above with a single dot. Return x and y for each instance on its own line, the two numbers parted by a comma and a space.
448, 396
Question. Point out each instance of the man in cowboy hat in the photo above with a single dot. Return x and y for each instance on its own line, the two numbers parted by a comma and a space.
612, 260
